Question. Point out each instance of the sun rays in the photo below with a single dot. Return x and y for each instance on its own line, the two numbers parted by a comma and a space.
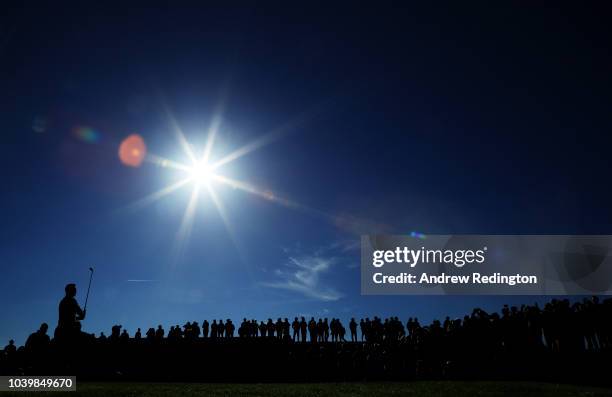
201, 170
202, 176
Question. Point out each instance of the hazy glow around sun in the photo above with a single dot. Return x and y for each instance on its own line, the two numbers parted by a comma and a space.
203, 175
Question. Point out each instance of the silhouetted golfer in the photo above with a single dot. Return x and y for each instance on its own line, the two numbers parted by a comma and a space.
70, 315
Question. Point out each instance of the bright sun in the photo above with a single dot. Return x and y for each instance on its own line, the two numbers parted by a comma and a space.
201, 173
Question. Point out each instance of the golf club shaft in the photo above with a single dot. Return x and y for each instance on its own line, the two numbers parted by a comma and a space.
88, 287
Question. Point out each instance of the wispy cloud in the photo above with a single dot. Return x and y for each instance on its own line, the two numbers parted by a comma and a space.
302, 274
340, 247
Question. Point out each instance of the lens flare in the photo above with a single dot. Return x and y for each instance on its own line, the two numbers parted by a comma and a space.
418, 235
132, 151
86, 134
39, 124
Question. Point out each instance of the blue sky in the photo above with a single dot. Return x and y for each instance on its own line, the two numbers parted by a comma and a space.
447, 119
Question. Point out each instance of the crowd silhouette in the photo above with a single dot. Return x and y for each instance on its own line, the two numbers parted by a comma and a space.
560, 341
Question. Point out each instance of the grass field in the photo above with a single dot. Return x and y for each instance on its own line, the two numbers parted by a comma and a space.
414, 389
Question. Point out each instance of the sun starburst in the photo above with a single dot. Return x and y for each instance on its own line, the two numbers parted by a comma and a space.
201, 173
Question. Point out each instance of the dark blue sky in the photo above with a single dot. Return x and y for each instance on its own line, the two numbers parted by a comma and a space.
445, 119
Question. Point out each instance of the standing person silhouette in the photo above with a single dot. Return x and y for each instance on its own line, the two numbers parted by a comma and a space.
353, 328
296, 329
10, 348
38, 342
205, 327
70, 314
303, 328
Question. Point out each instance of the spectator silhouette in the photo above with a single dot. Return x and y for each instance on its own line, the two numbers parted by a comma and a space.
353, 328
159, 333
195, 330
279, 328
325, 330
320, 330
220, 329
270, 328
295, 325
38, 341
205, 327
10, 348
229, 328
115, 333
125, 337
313, 330
213, 329
303, 329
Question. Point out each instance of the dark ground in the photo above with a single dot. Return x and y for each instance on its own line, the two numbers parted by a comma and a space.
415, 389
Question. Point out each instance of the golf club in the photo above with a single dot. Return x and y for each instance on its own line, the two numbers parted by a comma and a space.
91, 270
